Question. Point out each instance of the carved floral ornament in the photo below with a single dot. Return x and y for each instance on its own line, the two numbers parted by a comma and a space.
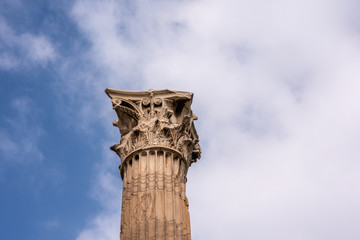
155, 119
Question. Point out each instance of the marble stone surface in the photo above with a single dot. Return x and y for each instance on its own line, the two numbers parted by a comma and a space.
158, 144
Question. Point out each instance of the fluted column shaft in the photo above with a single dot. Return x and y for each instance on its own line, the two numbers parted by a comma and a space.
154, 205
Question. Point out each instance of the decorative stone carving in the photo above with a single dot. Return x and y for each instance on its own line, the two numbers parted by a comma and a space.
158, 144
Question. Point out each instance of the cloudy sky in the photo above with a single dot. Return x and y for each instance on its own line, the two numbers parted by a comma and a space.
276, 88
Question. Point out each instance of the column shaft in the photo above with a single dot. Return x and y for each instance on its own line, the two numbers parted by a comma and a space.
154, 202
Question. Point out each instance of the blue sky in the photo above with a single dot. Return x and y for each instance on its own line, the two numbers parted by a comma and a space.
276, 87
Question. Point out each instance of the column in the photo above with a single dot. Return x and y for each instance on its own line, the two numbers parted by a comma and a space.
157, 146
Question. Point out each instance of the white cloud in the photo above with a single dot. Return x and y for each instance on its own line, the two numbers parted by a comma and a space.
103, 227
23, 49
276, 92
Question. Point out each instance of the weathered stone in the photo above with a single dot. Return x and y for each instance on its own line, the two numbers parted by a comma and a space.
158, 144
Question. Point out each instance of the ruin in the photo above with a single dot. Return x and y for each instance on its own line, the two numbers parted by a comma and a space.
158, 144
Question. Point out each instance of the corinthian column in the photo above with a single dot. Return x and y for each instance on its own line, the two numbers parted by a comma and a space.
158, 144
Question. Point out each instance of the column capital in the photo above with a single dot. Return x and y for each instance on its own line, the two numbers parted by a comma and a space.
155, 118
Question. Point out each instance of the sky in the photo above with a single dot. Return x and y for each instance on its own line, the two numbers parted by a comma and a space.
276, 89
